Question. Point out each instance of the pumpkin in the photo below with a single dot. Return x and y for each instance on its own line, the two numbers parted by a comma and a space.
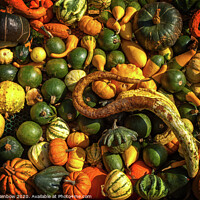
38, 154
77, 185
93, 154
89, 25
193, 69
8, 73
16, 177
58, 151
58, 128
194, 24
148, 30
126, 70
6, 56
117, 185
97, 177
76, 159
78, 139
105, 89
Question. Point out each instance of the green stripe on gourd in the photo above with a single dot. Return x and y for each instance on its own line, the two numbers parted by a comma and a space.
58, 128
93, 153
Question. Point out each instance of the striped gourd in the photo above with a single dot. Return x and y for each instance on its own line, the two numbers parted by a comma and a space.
58, 128
117, 185
38, 155
99, 4
93, 153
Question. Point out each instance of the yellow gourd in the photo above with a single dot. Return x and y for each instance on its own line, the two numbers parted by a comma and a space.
126, 31
2, 125
6, 56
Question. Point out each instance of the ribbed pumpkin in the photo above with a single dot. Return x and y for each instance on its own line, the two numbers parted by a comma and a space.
76, 159
157, 26
38, 154
117, 185
77, 185
93, 153
58, 151
15, 177
78, 139
58, 128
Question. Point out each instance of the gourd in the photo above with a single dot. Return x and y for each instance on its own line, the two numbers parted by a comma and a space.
8, 73
17, 176
118, 9
147, 29
138, 100
6, 56
2, 125
99, 59
58, 128
21, 54
117, 185
93, 154
76, 184
99, 4
38, 155
126, 31
194, 24
12, 97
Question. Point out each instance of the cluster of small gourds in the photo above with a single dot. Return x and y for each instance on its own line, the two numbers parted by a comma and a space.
112, 91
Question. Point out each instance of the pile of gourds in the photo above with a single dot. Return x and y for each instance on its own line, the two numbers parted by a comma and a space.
112, 91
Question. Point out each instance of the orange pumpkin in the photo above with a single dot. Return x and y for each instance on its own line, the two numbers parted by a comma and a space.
104, 89
15, 177
78, 139
58, 151
126, 70
77, 185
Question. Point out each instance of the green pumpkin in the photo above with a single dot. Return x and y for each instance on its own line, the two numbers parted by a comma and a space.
21, 54
114, 58
76, 58
108, 40
118, 139
49, 180
157, 31
10, 148
53, 90
56, 68
185, 5
42, 113
67, 111
151, 187
8, 72
29, 133
29, 76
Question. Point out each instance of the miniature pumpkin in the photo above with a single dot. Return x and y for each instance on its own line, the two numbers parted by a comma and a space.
78, 139
93, 153
15, 176
6, 56
77, 185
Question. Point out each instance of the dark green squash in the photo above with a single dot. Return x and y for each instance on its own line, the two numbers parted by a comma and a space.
42, 113
118, 139
57, 68
157, 30
49, 180
10, 148
21, 54
184, 6
29, 76
8, 72
108, 40
76, 58
53, 90
90, 98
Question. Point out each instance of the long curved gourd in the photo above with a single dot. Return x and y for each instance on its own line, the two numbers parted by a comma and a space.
138, 100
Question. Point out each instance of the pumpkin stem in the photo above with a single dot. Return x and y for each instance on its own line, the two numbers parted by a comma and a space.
8, 147
115, 124
70, 182
156, 17
53, 99
10, 170
43, 113
116, 41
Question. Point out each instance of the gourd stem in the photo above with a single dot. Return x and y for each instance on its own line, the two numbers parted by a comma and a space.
70, 182
156, 17
115, 41
194, 112
9, 169
8, 147
43, 113
53, 99
69, 150
114, 126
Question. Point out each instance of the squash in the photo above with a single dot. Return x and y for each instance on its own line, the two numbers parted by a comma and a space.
10, 148
99, 4
76, 159
147, 29
2, 125
38, 155
90, 98
167, 53
58, 151
16, 177
8, 73
6, 56
194, 24
89, 25
21, 54
117, 185
29, 133
58, 128
126, 31
117, 8
77, 185
151, 186
99, 59
78, 139
184, 6
93, 154
49, 180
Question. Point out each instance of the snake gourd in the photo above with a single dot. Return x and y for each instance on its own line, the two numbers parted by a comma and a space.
140, 99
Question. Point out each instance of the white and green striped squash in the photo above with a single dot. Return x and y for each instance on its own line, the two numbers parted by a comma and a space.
99, 4
58, 128
117, 185
93, 154
38, 155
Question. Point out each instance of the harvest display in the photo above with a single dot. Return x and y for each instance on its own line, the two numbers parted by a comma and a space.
100, 99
